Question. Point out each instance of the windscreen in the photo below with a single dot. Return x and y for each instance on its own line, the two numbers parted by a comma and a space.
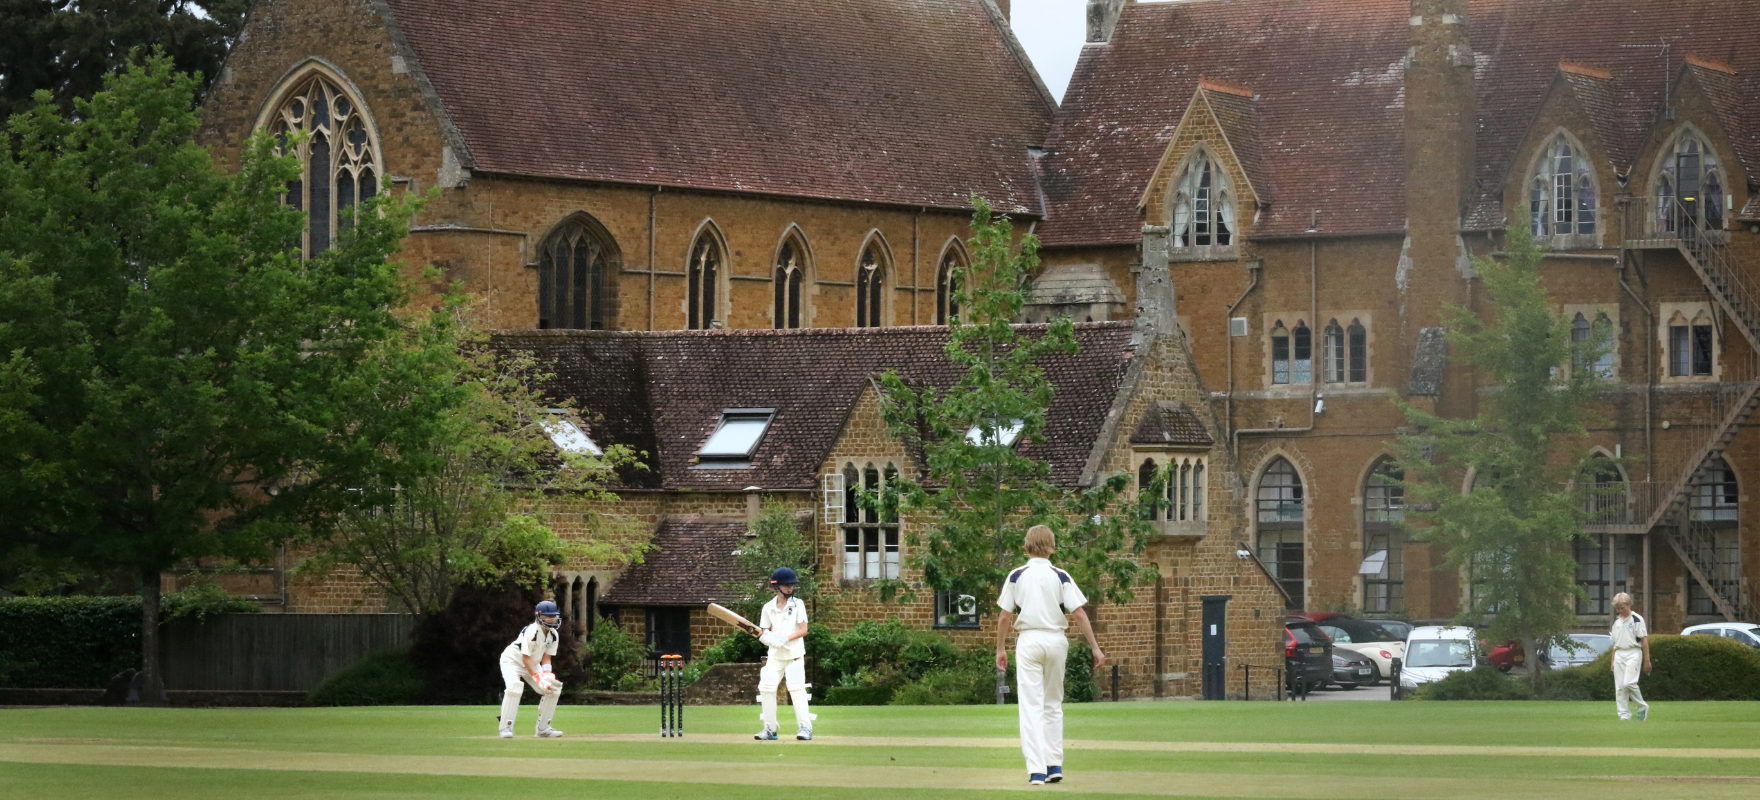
1439, 653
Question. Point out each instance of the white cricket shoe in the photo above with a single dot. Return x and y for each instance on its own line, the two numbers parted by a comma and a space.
507, 731
805, 733
767, 735
548, 732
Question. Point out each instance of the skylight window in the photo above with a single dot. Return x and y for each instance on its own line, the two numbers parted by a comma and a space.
1006, 435
736, 438
568, 436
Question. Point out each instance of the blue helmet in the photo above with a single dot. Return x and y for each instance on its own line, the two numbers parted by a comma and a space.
783, 576
549, 609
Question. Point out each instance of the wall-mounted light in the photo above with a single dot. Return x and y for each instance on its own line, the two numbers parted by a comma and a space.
1243, 554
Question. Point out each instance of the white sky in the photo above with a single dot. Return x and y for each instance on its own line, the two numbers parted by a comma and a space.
1053, 32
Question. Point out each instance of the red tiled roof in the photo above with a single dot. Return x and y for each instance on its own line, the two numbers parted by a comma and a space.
1330, 81
691, 564
663, 392
1170, 422
912, 102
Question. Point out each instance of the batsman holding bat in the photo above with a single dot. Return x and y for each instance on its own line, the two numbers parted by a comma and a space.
528, 659
783, 626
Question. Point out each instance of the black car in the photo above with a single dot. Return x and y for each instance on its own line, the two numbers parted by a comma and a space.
1307, 655
1351, 669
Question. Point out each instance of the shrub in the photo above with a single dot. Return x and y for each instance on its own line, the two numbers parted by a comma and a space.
615, 658
1483, 682
858, 695
737, 648
459, 648
874, 654
386, 678
80, 642
963, 686
1078, 675
1685, 668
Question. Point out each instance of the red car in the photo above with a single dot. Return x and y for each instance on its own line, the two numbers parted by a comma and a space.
1505, 656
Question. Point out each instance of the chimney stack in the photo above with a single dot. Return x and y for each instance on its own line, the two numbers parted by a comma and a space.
1102, 18
1156, 315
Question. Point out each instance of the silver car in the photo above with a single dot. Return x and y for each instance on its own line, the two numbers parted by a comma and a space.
1745, 632
1583, 648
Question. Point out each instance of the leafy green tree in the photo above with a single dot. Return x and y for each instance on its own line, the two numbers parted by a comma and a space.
980, 493
66, 47
774, 540
480, 517
1512, 532
175, 381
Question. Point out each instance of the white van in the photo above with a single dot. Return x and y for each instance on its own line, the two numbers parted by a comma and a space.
1432, 652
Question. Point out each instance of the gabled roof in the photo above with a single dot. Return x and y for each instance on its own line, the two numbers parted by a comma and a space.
908, 102
1330, 78
691, 564
1734, 109
1596, 95
1169, 422
663, 392
1238, 116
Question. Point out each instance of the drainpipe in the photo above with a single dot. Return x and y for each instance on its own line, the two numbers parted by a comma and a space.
916, 260
652, 196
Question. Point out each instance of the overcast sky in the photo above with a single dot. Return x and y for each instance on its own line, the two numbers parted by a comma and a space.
1053, 32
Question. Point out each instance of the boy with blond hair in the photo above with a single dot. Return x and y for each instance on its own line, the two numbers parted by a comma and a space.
1036, 601
1631, 640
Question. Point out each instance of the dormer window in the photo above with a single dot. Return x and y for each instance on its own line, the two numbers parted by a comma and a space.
737, 435
1561, 195
1690, 194
568, 435
1004, 434
1203, 206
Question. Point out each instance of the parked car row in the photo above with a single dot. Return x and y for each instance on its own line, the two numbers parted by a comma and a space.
1322, 648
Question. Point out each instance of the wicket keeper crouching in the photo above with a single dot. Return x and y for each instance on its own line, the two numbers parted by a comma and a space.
528, 660
784, 624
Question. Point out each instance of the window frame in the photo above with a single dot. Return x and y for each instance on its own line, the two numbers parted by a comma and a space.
1667, 215
948, 280
1693, 351
766, 417
1201, 216
873, 539
791, 281
706, 279
577, 288
872, 282
344, 156
1276, 535
1563, 193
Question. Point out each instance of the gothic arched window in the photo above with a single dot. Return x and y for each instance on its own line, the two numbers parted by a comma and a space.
576, 274
949, 277
790, 283
327, 129
1203, 206
1304, 354
704, 272
1713, 508
1561, 194
1279, 519
1689, 184
870, 286
1384, 540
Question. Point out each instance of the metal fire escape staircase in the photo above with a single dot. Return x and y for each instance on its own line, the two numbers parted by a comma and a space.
1736, 399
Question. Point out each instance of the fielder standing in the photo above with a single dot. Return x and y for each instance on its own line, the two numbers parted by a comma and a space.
1036, 599
784, 623
1630, 642
528, 660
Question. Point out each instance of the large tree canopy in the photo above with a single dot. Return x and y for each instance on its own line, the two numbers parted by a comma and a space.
175, 381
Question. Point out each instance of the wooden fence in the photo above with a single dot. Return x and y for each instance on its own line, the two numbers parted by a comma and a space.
273, 652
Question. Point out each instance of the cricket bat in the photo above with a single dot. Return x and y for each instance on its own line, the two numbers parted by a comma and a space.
726, 615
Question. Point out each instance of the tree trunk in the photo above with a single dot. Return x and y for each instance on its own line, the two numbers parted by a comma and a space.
1531, 647
152, 683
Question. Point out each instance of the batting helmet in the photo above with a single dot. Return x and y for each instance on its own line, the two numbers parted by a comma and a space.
784, 576
549, 609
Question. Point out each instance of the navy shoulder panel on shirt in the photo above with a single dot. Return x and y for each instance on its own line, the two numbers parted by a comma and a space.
1062, 577
1016, 574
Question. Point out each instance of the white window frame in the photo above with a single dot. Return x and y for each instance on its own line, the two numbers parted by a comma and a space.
1689, 312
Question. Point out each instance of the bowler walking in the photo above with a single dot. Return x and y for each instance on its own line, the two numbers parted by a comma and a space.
1036, 603
1631, 646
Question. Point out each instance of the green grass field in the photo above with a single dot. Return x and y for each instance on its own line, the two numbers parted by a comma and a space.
1577, 751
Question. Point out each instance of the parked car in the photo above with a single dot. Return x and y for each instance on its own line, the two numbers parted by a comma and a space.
1370, 640
1432, 652
1400, 628
1351, 669
1745, 632
1307, 655
1506, 656
1586, 648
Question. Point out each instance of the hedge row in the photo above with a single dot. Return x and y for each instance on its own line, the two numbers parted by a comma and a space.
80, 642
1684, 668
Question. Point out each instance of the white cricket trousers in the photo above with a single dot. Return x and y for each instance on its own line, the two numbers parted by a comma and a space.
1038, 672
775, 670
513, 673
1628, 664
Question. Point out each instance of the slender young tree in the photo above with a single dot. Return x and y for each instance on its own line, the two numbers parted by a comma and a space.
175, 381
979, 493
1511, 532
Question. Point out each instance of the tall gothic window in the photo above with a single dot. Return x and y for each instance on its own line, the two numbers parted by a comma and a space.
790, 283
704, 272
1561, 195
1691, 345
1303, 340
1583, 332
1280, 373
1358, 336
1203, 208
1384, 540
339, 168
1279, 502
947, 285
870, 286
1182, 500
870, 535
575, 271
1689, 184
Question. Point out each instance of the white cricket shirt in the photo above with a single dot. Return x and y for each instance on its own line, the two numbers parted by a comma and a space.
1041, 596
534, 640
1628, 632
785, 619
